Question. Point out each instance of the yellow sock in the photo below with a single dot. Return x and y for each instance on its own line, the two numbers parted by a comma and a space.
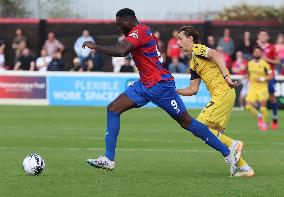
264, 113
242, 162
228, 142
223, 138
251, 109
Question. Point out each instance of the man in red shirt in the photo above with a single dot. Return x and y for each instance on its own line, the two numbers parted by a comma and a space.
269, 56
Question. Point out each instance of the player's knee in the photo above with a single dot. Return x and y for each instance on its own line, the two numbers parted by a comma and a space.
248, 107
113, 108
185, 120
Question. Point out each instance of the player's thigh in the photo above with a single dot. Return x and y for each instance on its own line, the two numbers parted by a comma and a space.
263, 96
217, 112
251, 97
271, 86
164, 95
131, 98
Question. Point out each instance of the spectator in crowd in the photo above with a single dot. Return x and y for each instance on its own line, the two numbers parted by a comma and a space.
2, 57
57, 63
161, 44
96, 59
246, 45
239, 67
52, 45
227, 43
43, 61
226, 56
19, 43
83, 54
117, 62
76, 65
173, 50
127, 67
279, 46
176, 66
211, 43
26, 61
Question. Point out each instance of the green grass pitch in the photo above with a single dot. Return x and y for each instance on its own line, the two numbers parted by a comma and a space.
155, 157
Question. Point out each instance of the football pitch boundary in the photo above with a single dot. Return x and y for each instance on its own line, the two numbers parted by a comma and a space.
3, 148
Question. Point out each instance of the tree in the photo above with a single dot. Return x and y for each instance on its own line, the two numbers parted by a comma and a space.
246, 12
13, 9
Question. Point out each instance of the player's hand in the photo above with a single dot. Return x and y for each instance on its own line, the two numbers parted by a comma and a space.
231, 83
89, 44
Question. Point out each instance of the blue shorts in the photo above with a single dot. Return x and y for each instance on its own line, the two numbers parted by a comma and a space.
271, 86
163, 94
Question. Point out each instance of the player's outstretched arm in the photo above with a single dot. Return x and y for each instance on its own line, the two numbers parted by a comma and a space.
190, 90
120, 50
218, 58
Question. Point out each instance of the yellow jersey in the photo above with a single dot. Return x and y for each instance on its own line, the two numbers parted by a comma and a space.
207, 70
256, 69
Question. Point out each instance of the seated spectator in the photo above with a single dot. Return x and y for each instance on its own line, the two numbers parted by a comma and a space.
2, 56
19, 43
52, 45
83, 54
117, 62
127, 67
279, 46
57, 63
239, 66
227, 43
96, 59
226, 56
26, 61
76, 65
172, 49
211, 43
176, 66
43, 61
246, 46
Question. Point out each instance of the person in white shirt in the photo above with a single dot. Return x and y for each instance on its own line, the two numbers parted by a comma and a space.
43, 61
83, 53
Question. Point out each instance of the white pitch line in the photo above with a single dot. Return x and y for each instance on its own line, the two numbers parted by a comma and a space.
141, 140
4, 148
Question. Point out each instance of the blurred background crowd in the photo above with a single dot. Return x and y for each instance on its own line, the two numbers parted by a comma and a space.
51, 57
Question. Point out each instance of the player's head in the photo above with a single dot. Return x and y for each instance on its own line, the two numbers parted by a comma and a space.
187, 37
257, 52
126, 20
263, 36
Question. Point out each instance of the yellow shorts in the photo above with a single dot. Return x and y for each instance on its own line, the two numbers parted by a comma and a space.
257, 95
218, 111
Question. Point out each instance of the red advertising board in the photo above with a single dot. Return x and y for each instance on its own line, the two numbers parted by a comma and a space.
22, 87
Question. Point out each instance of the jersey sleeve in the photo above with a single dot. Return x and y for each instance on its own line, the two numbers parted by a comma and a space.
135, 37
193, 75
267, 68
200, 50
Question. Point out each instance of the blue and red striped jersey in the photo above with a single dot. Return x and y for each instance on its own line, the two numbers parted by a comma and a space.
147, 56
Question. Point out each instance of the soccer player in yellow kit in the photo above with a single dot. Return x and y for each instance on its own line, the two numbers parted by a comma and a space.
260, 73
207, 64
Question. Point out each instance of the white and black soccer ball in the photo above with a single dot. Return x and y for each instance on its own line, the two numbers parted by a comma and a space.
33, 164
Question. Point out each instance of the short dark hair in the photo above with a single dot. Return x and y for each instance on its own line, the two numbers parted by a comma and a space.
190, 31
257, 47
125, 12
264, 30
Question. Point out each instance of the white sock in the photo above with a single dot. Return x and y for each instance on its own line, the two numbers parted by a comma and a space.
245, 168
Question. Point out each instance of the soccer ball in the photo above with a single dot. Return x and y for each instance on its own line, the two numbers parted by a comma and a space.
33, 164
